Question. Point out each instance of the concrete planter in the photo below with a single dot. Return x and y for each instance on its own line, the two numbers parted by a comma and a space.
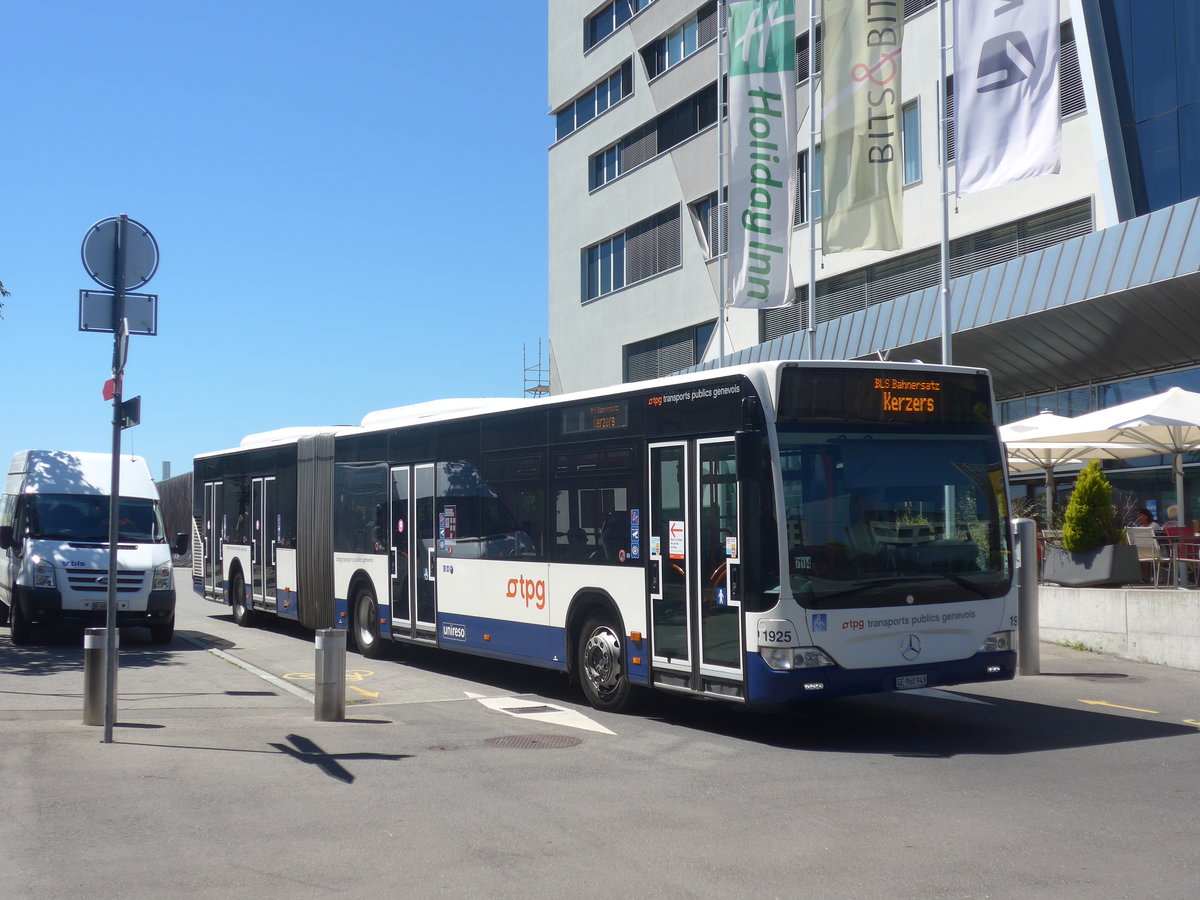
1111, 564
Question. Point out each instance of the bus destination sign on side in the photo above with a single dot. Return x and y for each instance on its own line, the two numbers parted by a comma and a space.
597, 417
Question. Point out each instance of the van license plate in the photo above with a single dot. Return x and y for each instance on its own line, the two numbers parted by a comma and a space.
907, 682
103, 604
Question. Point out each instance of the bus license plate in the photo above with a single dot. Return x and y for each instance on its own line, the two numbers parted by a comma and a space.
907, 682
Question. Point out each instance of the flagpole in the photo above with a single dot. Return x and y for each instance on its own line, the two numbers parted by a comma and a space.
944, 141
719, 225
812, 169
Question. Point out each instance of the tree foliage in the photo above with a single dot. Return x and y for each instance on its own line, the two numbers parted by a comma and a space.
1089, 521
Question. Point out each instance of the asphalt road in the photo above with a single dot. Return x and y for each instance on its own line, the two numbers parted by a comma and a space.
459, 777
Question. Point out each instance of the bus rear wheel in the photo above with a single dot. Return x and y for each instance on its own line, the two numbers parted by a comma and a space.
243, 614
602, 665
366, 625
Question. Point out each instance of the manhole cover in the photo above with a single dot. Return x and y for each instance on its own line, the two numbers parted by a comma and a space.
534, 742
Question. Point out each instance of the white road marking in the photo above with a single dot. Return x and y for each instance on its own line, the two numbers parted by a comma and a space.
252, 669
542, 712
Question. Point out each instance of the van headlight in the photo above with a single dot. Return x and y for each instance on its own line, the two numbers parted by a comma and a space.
162, 578
43, 573
997, 642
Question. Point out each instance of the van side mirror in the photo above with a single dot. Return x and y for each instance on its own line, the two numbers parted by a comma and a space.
182, 540
6, 537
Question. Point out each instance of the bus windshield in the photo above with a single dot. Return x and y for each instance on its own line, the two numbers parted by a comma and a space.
893, 518
84, 518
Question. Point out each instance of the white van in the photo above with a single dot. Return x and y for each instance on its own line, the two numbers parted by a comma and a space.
54, 539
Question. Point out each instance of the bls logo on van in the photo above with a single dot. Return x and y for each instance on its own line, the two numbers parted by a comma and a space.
528, 589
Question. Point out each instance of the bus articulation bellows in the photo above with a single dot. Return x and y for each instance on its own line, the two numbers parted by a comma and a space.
768, 533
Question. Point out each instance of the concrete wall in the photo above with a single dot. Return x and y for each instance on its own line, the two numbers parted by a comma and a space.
1155, 626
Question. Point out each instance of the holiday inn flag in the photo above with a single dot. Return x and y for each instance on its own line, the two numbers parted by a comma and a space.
1006, 92
861, 125
762, 158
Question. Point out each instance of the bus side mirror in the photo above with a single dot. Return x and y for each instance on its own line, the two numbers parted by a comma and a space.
181, 543
6, 537
748, 447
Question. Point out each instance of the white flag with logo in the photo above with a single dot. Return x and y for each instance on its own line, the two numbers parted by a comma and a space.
1006, 92
762, 158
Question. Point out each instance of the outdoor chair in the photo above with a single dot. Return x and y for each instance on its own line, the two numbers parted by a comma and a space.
1146, 542
1185, 551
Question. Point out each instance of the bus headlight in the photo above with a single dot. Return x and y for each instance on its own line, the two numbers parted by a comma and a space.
997, 642
162, 578
785, 659
43, 573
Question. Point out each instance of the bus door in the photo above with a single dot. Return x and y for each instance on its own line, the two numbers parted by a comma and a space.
695, 565
210, 541
401, 550
425, 548
264, 539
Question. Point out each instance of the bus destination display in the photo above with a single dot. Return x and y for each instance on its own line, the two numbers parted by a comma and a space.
598, 417
945, 398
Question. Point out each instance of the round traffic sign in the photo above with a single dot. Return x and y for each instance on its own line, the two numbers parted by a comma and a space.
100, 253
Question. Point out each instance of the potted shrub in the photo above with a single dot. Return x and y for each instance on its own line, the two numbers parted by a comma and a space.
1092, 552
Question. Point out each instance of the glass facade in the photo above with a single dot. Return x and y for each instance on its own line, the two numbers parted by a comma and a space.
1154, 52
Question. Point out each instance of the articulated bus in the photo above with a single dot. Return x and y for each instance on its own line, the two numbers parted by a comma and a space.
765, 534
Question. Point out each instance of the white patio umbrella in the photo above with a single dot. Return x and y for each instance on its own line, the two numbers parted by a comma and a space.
1032, 444
1167, 423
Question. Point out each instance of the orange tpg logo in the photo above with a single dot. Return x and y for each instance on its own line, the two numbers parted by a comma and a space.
528, 589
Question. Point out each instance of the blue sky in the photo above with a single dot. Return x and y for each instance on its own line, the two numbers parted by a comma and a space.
349, 201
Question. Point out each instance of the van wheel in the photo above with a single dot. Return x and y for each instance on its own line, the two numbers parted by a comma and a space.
20, 628
602, 665
366, 625
162, 634
243, 615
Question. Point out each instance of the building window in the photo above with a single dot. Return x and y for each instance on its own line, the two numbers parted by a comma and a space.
666, 353
672, 128
912, 143
598, 98
807, 199
680, 43
912, 7
862, 288
802, 49
608, 19
712, 219
639, 252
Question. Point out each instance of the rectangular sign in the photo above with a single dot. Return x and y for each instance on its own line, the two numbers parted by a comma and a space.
96, 312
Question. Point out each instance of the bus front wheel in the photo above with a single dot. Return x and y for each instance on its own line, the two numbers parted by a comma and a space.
602, 665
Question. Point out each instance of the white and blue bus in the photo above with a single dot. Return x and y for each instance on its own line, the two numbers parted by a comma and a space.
767, 533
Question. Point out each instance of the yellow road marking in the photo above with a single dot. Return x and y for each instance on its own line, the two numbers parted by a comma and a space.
1152, 712
351, 675
1191, 722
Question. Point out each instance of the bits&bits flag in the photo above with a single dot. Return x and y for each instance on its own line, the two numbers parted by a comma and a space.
1006, 92
861, 124
762, 158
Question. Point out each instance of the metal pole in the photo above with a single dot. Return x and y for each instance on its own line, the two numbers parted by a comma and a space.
718, 228
330, 702
947, 350
93, 676
1029, 660
812, 177
114, 499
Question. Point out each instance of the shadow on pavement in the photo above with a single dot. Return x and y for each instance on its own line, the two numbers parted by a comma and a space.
60, 649
936, 725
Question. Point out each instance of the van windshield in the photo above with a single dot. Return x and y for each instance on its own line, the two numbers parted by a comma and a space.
84, 518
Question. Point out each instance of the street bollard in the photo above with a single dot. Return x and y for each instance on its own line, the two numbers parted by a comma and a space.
330, 701
93, 676
1029, 658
